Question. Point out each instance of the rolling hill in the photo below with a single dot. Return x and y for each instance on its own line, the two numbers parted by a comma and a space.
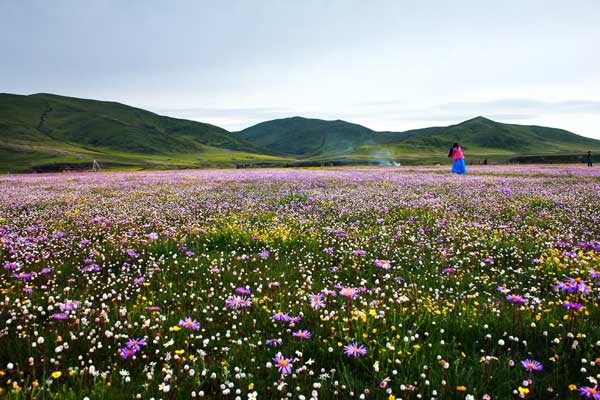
480, 138
45, 132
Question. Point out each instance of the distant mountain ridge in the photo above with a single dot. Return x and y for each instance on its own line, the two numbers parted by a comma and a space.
479, 136
50, 132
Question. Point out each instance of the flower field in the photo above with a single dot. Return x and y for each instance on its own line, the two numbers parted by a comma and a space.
376, 283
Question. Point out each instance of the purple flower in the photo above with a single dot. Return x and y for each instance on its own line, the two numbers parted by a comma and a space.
23, 276
295, 320
572, 306
138, 281
243, 290
152, 308
359, 252
283, 364
316, 301
302, 334
515, 298
127, 352
274, 342
59, 316
135, 344
264, 254
590, 392
132, 253
91, 268
383, 264
236, 302
328, 250
11, 265
188, 323
531, 365
354, 350
448, 270
281, 316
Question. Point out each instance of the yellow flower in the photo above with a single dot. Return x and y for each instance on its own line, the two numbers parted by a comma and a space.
572, 387
251, 386
523, 390
56, 374
179, 352
461, 388
391, 397
176, 328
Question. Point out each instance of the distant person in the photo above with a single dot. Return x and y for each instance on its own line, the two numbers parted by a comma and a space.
458, 165
589, 158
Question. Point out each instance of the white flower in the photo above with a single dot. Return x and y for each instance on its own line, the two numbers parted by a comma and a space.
164, 387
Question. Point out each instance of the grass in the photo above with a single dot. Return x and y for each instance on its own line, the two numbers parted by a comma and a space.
436, 321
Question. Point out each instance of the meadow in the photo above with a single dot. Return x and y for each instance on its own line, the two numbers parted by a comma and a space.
367, 283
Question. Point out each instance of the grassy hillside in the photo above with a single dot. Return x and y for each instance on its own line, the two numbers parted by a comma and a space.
304, 137
44, 131
481, 138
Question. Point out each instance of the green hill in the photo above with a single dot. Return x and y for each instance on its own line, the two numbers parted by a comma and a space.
302, 137
313, 139
45, 131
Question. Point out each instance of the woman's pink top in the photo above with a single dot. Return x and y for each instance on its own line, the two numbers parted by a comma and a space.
457, 154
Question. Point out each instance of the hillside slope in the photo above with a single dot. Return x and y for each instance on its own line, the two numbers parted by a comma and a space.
303, 137
315, 139
43, 129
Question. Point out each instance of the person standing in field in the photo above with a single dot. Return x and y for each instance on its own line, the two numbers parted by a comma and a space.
589, 158
458, 165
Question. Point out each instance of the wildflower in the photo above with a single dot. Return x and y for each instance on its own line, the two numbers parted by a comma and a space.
189, 324
135, 343
354, 350
283, 364
590, 392
531, 365
264, 254
348, 292
243, 290
302, 334
515, 298
572, 306
383, 264
127, 352
274, 342
316, 301
69, 305
281, 316
56, 374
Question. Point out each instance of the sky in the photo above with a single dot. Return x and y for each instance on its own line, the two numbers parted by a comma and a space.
389, 65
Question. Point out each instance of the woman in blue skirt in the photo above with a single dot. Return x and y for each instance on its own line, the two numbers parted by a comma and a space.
458, 165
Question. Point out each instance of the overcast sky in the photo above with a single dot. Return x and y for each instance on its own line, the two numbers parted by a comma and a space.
388, 65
